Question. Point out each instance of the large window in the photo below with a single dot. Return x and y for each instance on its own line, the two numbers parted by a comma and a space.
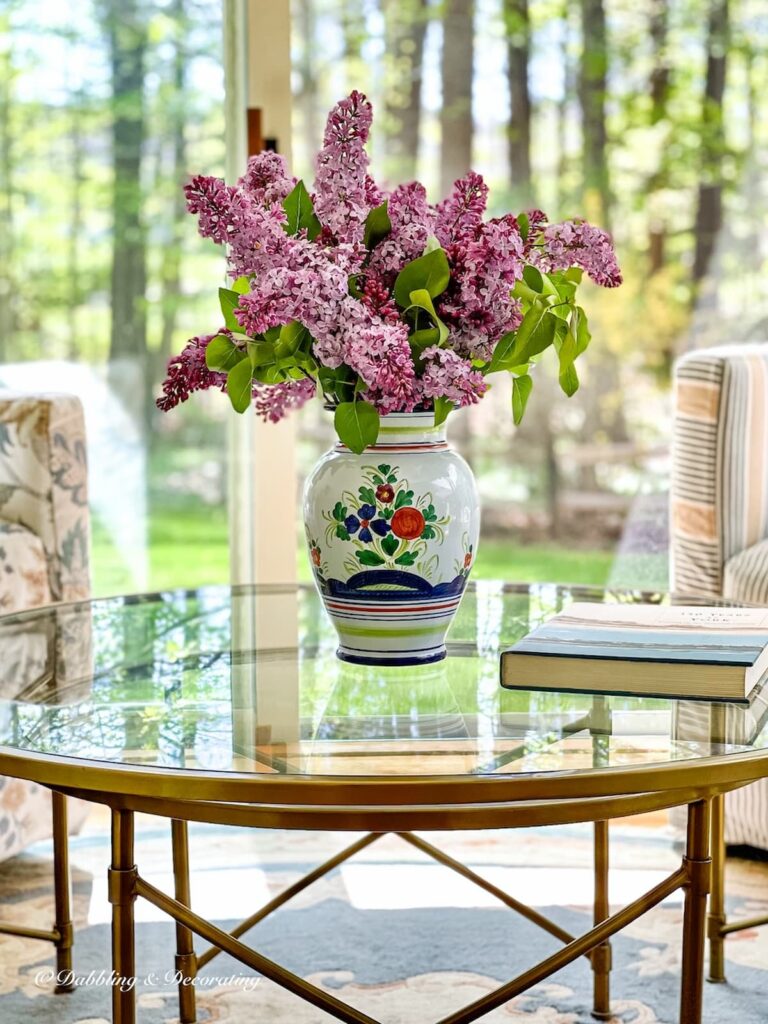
105, 108
648, 119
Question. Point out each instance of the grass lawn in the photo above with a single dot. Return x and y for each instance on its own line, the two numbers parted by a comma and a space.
188, 546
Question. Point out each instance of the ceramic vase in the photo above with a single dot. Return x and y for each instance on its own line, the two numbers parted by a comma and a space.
392, 536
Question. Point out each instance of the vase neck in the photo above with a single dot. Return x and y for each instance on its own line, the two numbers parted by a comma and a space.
415, 431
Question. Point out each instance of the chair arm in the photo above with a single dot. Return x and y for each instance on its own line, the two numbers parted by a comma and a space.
43, 483
719, 486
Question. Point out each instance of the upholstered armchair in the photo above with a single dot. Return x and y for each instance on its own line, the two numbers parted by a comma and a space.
44, 558
719, 506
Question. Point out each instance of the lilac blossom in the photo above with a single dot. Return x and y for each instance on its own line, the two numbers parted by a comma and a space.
478, 304
211, 200
462, 212
413, 221
380, 353
344, 192
343, 295
449, 376
274, 401
267, 180
187, 372
575, 243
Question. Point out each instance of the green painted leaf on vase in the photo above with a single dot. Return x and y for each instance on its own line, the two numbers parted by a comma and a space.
369, 558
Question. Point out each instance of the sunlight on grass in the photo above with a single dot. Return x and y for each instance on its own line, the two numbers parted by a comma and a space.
189, 547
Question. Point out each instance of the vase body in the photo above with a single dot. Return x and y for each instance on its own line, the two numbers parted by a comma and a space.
392, 536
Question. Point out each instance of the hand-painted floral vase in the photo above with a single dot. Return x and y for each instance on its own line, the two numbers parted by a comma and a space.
392, 536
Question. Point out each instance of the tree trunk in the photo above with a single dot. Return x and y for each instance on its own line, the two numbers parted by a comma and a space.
709, 212
593, 83
127, 36
658, 87
518, 32
564, 111
77, 149
456, 111
171, 272
7, 282
405, 26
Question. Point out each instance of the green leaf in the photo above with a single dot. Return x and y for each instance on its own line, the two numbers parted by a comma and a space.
428, 533
367, 496
242, 285
430, 272
369, 558
390, 544
521, 390
342, 532
300, 212
377, 226
228, 301
407, 558
384, 469
421, 299
404, 498
293, 335
580, 328
264, 362
569, 379
524, 224
443, 407
239, 385
221, 354
532, 277
535, 333
422, 339
339, 511
357, 424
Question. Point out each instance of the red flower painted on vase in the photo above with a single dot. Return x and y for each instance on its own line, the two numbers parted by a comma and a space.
467, 559
314, 554
408, 523
385, 493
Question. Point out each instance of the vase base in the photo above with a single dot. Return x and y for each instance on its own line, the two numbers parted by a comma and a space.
426, 657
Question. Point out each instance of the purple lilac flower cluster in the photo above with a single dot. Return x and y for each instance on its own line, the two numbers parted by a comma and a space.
330, 261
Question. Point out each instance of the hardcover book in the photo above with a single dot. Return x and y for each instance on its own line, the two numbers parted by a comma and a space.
644, 650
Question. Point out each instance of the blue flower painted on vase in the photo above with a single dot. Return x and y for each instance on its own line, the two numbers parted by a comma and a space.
365, 522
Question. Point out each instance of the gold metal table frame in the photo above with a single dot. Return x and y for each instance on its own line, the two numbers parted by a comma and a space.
399, 805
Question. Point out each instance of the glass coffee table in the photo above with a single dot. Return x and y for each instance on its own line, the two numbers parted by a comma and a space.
229, 706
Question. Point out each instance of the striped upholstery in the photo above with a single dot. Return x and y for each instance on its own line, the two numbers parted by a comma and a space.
719, 463
745, 577
719, 506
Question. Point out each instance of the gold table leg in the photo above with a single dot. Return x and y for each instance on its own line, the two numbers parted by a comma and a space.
122, 877
601, 955
186, 961
716, 916
62, 894
698, 866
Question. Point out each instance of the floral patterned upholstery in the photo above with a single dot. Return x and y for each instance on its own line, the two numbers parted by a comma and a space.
44, 557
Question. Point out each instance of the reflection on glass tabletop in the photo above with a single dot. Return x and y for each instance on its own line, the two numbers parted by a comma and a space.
247, 680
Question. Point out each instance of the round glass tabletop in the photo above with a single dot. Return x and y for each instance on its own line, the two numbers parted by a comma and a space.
246, 680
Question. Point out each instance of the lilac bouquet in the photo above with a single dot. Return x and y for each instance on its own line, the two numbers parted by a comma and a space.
380, 302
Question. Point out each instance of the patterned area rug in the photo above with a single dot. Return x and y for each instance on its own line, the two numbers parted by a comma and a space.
390, 932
